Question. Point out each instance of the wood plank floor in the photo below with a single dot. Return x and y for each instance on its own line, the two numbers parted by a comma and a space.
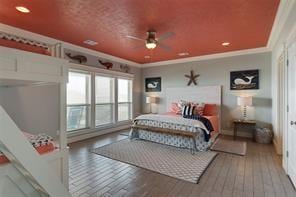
259, 173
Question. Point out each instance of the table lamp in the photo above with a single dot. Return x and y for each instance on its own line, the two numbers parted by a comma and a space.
244, 102
150, 100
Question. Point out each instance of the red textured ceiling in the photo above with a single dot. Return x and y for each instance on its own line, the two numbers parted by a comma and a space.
200, 26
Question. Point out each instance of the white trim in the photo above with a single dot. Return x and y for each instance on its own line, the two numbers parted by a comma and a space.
291, 38
281, 69
100, 71
208, 57
282, 14
52, 41
86, 134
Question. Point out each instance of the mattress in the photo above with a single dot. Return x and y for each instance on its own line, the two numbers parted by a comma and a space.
42, 143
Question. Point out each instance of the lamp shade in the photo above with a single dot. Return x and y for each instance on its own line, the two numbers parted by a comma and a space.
150, 99
244, 101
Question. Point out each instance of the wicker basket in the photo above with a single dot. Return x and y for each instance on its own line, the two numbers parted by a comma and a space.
263, 135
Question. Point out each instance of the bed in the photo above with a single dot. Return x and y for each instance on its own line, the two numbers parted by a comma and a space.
172, 129
43, 144
25, 66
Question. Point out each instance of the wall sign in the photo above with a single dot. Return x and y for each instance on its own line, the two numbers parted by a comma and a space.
153, 84
244, 80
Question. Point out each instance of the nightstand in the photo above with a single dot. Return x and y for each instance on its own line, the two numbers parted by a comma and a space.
237, 123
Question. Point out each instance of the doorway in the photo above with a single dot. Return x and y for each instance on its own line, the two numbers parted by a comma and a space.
291, 115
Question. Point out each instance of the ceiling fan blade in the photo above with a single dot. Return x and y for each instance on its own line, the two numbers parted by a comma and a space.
165, 47
165, 36
135, 38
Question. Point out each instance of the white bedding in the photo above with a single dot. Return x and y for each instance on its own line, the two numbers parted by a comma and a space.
174, 120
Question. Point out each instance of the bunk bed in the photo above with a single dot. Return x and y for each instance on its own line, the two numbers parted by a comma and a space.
20, 67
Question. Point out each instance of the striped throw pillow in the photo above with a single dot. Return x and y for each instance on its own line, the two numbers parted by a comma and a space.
188, 110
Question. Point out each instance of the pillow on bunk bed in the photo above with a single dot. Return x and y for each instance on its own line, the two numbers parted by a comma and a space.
38, 140
41, 142
24, 47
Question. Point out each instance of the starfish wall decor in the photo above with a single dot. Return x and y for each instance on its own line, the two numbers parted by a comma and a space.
192, 78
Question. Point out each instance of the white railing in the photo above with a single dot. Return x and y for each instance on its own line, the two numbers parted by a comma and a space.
26, 159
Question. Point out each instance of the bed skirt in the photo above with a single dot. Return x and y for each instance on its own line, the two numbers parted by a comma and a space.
172, 140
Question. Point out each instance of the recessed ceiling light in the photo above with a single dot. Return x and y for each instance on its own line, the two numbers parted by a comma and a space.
225, 44
183, 54
22, 9
146, 56
90, 42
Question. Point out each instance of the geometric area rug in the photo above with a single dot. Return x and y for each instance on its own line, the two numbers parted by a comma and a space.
230, 146
168, 160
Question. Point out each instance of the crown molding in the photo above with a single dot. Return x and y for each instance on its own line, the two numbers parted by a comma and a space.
284, 9
38, 37
209, 57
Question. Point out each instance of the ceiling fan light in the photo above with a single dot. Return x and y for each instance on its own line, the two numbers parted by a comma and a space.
151, 45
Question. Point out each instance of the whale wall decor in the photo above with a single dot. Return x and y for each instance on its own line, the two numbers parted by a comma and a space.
244, 80
153, 84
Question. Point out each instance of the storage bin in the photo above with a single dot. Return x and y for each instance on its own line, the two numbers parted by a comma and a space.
263, 135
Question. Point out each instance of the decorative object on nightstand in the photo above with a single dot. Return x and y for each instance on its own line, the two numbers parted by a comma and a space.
151, 100
237, 123
244, 102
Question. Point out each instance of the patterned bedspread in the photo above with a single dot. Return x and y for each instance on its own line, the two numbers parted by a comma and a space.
174, 123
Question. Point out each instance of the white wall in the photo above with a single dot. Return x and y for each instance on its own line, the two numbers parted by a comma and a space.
34, 109
217, 72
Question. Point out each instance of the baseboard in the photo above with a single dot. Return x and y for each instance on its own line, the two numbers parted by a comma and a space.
96, 133
240, 134
277, 148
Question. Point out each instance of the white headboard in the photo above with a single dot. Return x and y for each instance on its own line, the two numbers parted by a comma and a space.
204, 94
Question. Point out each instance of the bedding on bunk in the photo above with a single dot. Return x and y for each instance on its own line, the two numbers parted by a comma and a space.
173, 122
42, 143
22, 46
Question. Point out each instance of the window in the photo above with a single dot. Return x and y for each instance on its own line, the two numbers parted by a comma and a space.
104, 100
124, 99
97, 100
78, 101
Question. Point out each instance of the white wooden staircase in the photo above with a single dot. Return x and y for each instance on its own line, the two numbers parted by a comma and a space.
27, 174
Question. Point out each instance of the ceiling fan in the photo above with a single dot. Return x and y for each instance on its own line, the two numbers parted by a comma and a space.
151, 41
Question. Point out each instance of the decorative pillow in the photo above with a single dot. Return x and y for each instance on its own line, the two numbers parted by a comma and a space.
182, 103
188, 110
199, 108
210, 110
40, 140
175, 108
